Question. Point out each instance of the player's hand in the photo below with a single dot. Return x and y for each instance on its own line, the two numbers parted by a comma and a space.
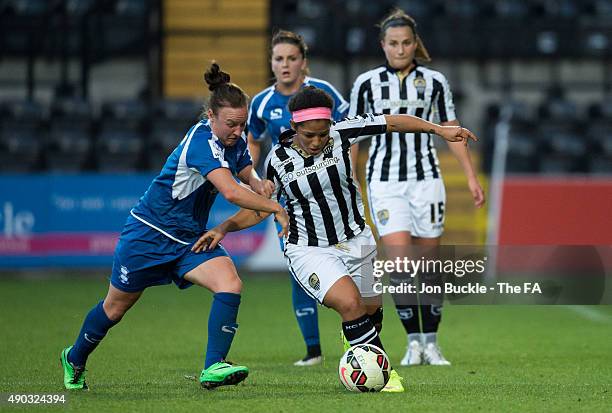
477, 192
209, 240
457, 134
283, 219
263, 187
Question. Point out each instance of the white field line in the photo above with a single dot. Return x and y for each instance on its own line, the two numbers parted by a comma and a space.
590, 313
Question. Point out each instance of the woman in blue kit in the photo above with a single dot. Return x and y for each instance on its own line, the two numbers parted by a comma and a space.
155, 247
268, 118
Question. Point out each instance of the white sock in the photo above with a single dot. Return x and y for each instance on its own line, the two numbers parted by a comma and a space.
414, 337
430, 338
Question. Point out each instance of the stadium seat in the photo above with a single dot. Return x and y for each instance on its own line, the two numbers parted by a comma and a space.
165, 136
600, 135
21, 26
20, 146
180, 110
419, 10
132, 113
171, 121
510, 9
601, 109
69, 146
71, 109
600, 165
118, 148
22, 111
132, 7
78, 8
26, 7
465, 9
564, 150
559, 8
124, 28
558, 108
70, 139
120, 138
523, 146
125, 109
603, 8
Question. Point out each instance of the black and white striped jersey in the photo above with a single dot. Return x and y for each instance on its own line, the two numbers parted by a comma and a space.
322, 199
423, 93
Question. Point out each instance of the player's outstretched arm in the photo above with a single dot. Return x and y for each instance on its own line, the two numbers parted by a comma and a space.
249, 176
411, 124
462, 154
245, 218
223, 180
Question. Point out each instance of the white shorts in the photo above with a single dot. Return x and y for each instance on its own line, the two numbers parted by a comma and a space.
316, 269
414, 206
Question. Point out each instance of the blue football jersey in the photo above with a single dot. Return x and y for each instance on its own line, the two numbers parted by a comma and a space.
269, 112
179, 199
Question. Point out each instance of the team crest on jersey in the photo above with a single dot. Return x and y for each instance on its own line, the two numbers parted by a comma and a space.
314, 282
276, 113
419, 85
383, 216
329, 147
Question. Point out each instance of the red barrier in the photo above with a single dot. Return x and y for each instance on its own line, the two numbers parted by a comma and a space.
556, 211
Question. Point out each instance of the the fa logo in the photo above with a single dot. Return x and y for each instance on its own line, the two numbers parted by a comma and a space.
276, 114
124, 275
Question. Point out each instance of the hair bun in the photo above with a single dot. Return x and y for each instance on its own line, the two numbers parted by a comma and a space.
215, 77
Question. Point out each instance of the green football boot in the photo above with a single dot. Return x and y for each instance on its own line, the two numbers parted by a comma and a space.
394, 385
74, 377
222, 373
345, 342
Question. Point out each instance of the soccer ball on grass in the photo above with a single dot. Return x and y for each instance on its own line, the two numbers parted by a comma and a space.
364, 368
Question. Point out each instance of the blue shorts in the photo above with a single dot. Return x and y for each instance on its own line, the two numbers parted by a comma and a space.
144, 257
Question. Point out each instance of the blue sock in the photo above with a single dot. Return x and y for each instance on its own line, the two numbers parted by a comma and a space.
305, 308
94, 329
221, 326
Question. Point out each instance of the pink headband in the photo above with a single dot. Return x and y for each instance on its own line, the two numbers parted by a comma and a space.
311, 114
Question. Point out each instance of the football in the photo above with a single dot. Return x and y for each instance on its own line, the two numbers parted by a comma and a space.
364, 368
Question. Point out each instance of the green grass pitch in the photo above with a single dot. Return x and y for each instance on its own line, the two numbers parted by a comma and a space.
505, 358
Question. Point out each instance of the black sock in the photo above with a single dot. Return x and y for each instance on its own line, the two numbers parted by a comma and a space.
313, 351
431, 316
377, 319
409, 316
361, 331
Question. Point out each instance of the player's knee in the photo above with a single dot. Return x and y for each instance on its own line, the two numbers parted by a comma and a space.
351, 308
231, 284
115, 310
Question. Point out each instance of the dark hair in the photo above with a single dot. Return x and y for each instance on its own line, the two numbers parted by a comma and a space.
285, 36
223, 92
310, 97
399, 18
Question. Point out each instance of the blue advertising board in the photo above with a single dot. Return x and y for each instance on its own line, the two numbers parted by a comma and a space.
75, 220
